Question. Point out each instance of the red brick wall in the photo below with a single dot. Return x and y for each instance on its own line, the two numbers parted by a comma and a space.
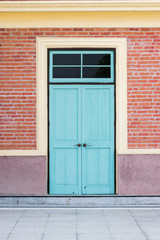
18, 83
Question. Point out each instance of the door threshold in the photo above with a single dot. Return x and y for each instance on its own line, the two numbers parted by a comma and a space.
85, 195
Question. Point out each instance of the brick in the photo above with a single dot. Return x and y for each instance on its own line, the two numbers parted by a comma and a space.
18, 83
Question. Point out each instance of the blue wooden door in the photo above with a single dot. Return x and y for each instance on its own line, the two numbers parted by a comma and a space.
81, 114
98, 139
65, 134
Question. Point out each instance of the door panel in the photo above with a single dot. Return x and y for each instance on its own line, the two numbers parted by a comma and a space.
98, 134
81, 114
65, 133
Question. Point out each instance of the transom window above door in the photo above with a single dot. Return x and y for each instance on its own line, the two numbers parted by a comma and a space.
81, 66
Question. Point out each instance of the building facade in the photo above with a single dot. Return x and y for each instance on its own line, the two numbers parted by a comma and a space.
80, 111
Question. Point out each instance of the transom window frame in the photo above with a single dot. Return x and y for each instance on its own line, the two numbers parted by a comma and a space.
82, 79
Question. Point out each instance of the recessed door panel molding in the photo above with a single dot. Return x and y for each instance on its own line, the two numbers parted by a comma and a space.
81, 140
98, 134
64, 135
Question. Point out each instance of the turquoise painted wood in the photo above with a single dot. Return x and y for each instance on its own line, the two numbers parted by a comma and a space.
65, 133
98, 134
81, 66
81, 114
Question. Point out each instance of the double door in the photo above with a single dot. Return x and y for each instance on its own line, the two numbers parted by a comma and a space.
81, 139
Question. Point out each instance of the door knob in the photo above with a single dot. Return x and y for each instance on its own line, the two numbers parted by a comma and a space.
78, 145
86, 145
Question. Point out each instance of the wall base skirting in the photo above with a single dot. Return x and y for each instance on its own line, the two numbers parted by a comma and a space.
23, 175
80, 202
137, 175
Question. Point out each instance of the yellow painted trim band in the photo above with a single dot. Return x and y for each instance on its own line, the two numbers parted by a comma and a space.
49, 6
38, 152
79, 19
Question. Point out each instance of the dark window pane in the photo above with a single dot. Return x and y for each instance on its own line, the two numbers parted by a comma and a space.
66, 59
96, 59
66, 72
96, 72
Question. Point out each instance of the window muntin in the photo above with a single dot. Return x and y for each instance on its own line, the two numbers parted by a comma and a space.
81, 66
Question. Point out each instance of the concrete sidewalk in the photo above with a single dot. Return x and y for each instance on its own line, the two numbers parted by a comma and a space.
80, 224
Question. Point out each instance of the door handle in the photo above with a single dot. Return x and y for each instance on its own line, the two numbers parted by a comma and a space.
86, 145
78, 145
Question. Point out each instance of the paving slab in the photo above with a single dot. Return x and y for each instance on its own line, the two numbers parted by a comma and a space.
3, 236
80, 224
59, 236
128, 236
94, 237
25, 236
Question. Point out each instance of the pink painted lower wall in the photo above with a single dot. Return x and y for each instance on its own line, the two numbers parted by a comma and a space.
23, 175
139, 174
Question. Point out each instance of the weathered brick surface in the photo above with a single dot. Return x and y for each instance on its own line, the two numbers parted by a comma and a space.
18, 83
